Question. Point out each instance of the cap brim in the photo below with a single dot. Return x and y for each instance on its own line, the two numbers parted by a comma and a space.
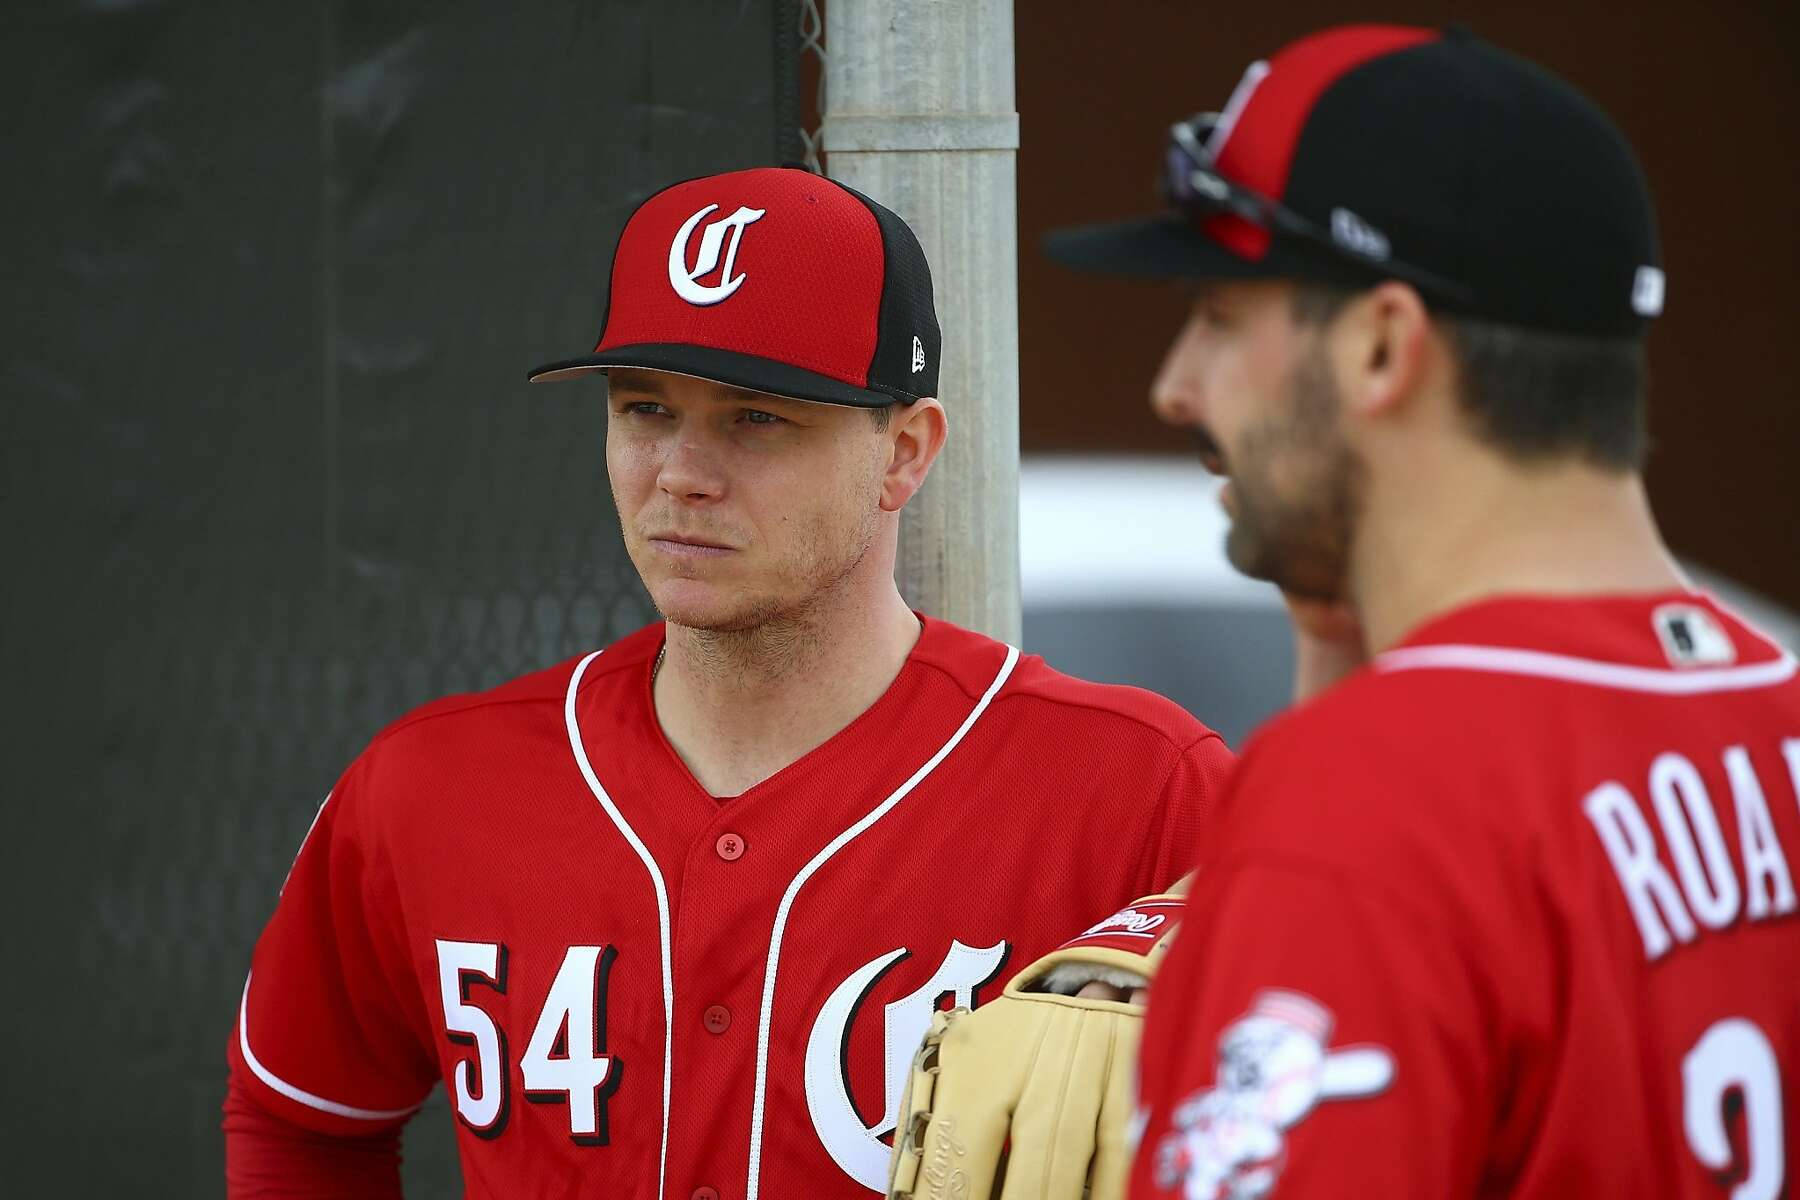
726, 367
1161, 247
1167, 246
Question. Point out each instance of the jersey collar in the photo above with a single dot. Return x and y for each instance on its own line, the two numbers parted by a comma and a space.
1675, 642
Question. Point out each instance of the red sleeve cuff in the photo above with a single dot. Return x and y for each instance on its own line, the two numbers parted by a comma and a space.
268, 1158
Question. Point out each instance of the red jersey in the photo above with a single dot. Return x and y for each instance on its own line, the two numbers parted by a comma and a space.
1509, 913
633, 989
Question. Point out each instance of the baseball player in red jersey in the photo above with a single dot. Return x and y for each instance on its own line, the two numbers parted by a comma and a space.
1511, 910
667, 920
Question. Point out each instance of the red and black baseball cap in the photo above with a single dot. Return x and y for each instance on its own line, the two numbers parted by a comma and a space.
1370, 152
773, 279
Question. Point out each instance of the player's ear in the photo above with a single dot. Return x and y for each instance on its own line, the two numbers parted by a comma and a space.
1383, 349
915, 435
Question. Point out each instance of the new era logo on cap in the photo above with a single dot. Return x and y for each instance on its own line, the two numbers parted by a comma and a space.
773, 279
1350, 230
1647, 292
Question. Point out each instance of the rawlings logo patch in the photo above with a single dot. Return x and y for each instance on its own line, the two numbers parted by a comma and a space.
1131, 928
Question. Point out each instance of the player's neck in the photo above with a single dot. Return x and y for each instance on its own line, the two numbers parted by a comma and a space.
1562, 529
738, 707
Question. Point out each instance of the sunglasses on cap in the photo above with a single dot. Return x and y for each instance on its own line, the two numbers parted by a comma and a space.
1193, 183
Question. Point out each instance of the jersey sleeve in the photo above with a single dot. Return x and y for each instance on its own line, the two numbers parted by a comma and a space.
329, 1035
266, 1158
1311, 1037
1196, 782
1325, 1024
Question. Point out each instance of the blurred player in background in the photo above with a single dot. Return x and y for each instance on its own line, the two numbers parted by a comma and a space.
1509, 911
668, 920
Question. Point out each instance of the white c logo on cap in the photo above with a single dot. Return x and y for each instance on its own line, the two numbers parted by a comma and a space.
684, 280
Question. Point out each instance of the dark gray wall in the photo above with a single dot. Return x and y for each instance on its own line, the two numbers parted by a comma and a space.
272, 474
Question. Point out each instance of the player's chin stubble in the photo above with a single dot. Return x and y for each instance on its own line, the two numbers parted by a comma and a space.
1297, 489
777, 603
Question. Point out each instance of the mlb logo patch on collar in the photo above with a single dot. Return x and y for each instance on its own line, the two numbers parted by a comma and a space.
1691, 637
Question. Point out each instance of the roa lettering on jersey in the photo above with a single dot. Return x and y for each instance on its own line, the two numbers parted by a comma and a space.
1704, 889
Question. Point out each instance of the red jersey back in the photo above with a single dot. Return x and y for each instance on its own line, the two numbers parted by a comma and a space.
631, 988
1510, 913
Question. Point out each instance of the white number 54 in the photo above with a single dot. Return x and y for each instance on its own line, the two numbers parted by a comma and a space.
565, 1062
1734, 1053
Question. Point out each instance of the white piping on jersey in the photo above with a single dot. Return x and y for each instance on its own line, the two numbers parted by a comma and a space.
309, 830
662, 905
793, 889
278, 1084
1662, 681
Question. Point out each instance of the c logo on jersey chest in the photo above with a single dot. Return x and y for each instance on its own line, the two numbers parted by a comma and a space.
853, 1145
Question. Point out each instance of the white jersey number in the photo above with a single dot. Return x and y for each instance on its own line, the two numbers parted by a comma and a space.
564, 1063
1735, 1054
479, 1087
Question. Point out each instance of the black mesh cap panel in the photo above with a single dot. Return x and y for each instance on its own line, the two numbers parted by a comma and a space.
907, 331
1493, 172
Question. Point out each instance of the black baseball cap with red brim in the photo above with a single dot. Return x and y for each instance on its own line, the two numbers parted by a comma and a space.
1371, 152
775, 280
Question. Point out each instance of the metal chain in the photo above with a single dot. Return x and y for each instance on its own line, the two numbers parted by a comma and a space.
812, 41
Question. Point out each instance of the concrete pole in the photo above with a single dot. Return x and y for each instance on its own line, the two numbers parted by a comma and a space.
919, 115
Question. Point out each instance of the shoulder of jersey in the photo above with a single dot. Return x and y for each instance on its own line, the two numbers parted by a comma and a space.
546, 689
1368, 780
1373, 713
1363, 752
971, 658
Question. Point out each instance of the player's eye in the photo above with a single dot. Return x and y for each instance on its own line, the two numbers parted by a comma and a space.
643, 408
756, 416
1205, 307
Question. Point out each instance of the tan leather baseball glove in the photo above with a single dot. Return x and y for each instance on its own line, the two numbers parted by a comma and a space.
1030, 1097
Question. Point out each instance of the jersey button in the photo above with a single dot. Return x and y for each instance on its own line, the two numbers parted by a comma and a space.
730, 847
717, 1019
705, 1193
